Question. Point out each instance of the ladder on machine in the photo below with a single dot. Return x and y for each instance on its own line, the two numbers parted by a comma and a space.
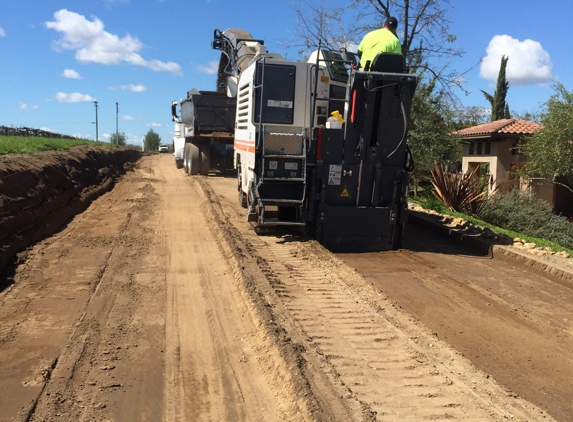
280, 187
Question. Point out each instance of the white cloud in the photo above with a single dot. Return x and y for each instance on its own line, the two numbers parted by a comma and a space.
130, 87
74, 97
211, 68
24, 106
2, 33
154, 124
71, 74
131, 119
528, 62
92, 44
47, 129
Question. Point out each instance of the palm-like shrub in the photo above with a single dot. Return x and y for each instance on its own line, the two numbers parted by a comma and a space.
462, 192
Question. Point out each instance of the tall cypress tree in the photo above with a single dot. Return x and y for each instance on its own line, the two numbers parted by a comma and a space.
499, 108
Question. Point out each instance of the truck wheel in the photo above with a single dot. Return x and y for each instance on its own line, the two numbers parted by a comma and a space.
252, 212
205, 159
242, 196
194, 160
186, 158
178, 163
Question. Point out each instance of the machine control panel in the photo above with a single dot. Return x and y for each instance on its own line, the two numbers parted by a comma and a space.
335, 63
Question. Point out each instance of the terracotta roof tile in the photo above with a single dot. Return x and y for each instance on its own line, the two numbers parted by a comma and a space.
509, 126
519, 126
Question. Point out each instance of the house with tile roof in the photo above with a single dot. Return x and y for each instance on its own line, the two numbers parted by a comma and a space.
495, 145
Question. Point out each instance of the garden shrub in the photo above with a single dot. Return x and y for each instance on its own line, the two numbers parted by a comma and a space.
433, 204
525, 213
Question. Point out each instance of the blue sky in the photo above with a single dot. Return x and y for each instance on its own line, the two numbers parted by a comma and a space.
59, 56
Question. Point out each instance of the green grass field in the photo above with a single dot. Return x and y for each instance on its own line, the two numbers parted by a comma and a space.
30, 144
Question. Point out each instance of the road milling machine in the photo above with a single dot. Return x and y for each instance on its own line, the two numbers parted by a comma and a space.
345, 182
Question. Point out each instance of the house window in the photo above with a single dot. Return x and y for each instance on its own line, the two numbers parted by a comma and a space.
516, 147
479, 148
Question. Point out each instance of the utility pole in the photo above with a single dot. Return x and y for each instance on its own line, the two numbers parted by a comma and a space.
116, 124
95, 102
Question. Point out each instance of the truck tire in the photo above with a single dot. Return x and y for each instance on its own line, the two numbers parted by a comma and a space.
186, 158
205, 159
194, 160
178, 163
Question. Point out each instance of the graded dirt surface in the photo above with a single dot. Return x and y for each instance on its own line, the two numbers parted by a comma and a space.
158, 302
509, 321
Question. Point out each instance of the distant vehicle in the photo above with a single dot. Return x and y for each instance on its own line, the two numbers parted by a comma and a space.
163, 148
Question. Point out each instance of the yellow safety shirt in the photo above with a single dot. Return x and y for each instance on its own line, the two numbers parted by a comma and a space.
379, 41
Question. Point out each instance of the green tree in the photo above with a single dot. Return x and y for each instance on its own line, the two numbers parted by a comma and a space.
118, 139
550, 150
151, 141
468, 116
429, 138
499, 107
531, 115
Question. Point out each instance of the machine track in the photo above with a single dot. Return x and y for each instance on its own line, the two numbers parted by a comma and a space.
380, 359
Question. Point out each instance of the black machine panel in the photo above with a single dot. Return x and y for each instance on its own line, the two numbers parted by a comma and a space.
362, 183
336, 99
331, 144
340, 184
356, 228
378, 115
278, 99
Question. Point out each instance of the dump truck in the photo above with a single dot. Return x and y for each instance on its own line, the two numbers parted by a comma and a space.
206, 122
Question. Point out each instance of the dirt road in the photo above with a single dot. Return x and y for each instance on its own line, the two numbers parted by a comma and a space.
159, 303
508, 320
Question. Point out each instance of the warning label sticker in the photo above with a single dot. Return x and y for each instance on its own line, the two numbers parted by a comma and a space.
334, 174
344, 193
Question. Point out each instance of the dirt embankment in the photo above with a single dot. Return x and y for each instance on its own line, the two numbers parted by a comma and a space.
40, 192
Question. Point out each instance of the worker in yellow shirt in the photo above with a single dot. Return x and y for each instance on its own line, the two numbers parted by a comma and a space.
382, 40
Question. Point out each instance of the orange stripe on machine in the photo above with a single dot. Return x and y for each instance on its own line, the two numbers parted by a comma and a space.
248, 146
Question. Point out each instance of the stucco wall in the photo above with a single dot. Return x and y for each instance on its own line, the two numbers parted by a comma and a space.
500, 162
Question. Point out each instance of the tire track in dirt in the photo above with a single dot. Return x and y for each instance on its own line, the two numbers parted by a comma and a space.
376, 363
93, 269
84, 341
393, 375
511, 322
221, 362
